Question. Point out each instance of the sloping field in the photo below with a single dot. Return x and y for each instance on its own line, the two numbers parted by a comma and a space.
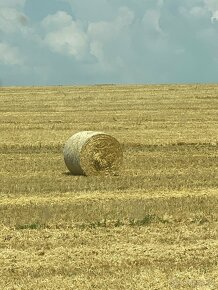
154, 226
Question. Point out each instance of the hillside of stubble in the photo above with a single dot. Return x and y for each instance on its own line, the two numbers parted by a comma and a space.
154, 226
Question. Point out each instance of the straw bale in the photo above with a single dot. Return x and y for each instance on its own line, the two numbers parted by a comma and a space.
93, 153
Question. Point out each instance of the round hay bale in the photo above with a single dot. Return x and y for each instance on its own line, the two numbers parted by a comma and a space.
93, 153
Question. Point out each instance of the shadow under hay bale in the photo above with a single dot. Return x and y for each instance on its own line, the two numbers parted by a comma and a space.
93, 153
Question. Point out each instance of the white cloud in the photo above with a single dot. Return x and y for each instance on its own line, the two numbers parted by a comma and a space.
104, 33
214, 17
12, 3
68, 40
212, 6
151, 21
11, 20
56, 21
96, 49
198, 11
125, 17
65, 36
10, 55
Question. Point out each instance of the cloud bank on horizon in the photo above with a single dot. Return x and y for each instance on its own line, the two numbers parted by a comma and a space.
60, 42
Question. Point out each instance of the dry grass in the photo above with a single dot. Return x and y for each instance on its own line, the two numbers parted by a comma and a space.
152, 227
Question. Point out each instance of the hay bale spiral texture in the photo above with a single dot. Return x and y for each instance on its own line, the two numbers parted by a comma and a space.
93, 153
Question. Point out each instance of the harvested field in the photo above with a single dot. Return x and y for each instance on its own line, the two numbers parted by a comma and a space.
153, 226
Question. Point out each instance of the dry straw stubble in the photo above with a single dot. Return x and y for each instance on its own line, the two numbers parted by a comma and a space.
93, 153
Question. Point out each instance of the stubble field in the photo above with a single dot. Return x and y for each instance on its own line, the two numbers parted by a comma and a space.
155, 226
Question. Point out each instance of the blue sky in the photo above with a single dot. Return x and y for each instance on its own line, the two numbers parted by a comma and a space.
68, 42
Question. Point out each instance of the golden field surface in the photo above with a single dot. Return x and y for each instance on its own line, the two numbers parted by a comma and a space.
154, 226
